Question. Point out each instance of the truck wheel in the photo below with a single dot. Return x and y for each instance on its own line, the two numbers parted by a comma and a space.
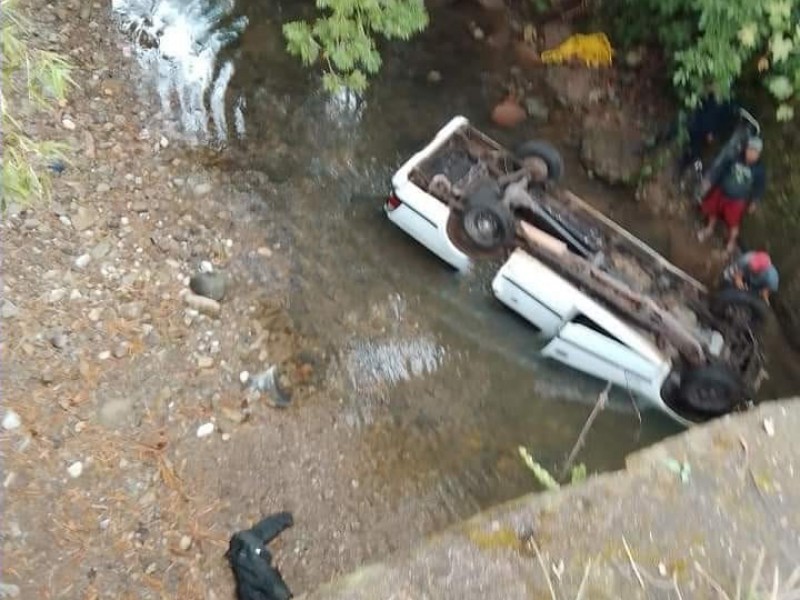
738, 307
712, 389
487, 222
547, 153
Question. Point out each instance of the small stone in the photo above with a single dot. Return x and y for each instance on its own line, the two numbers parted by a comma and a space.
59, 340
68, 124
9, 310
205, 429
478, 33
84, 218
232, 415
83, 261
244, 376
94, 314
88, 143
9, 590
205, 362
185, 543
100, 250
264, 251
202, 189
30, 224
434, 76
163, 142
202, 304
131, 310
206, 267
75, 469
537, 109
103, 188
11, 420
209, 285
104, 355
226, 437
769, 427
151, 568
56, 295
120, 350
75, 295
47, 377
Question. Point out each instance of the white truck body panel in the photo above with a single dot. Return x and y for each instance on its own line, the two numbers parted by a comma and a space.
607, 347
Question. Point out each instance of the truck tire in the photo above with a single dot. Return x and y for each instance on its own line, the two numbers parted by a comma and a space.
738, 307
487, 222
713, 390
546, 152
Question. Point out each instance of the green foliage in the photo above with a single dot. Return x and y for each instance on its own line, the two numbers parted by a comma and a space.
543, 476
343, 38
718, 41
42, 78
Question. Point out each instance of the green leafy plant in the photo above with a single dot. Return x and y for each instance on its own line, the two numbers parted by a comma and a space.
543, 476
719, 41
343, 38
39, 78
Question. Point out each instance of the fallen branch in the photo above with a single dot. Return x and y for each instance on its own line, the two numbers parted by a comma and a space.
598, 406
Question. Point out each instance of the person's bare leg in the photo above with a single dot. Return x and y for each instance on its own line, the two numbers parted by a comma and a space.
732, 237
706, 232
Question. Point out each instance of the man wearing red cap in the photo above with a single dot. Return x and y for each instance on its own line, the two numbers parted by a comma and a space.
737, 188
754, 271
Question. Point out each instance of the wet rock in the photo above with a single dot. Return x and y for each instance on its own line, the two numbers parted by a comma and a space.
209, 285
9, 310
508, 113
116, 412
537, 109
84, 218
202, 304
611, 150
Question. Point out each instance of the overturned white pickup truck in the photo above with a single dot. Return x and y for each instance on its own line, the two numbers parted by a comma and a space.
607, 303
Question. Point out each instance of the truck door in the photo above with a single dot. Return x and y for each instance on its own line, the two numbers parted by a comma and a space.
584, 345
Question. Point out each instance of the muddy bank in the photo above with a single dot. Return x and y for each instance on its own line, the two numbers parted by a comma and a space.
681, 520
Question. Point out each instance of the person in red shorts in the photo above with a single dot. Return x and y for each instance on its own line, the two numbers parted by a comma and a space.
735, 188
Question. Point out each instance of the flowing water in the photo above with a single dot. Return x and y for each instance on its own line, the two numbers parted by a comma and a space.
427, 363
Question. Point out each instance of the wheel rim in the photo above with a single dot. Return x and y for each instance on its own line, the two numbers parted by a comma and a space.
483, 227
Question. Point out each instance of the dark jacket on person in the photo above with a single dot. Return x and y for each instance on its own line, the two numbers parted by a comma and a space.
740, 181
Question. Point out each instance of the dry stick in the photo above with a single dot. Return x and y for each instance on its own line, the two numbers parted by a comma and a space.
598, 406
544, 568
633, 562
